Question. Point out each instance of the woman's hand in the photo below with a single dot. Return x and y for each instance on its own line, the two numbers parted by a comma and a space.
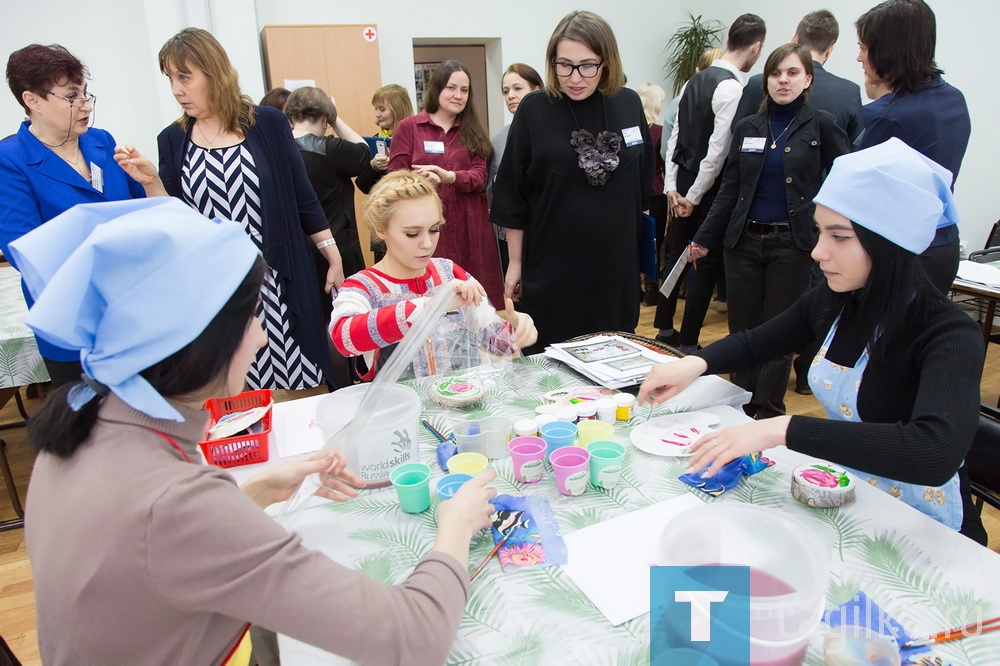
721, 447
467, 292
140, 169
469, 510
278, 483
435, 173
380, 163
666, 380
512, 281
525, 333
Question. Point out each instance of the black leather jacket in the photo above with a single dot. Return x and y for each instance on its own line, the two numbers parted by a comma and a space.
812, 145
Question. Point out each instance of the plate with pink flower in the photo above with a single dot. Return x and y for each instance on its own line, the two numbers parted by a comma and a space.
672, 435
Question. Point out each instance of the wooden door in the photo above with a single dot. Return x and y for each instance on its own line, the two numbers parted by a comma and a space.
343, 60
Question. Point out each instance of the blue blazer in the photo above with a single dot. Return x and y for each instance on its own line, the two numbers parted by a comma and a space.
290, 213
36, 185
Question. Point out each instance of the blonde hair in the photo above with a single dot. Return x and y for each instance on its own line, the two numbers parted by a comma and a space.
397, 99
198, 48
593, 32
707, 57
652, 97
394, 187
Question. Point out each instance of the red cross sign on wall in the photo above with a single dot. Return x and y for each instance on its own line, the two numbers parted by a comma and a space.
369, 34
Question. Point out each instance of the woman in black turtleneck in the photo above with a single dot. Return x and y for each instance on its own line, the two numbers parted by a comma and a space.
763, 215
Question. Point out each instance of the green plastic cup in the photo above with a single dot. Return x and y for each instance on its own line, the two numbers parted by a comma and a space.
606, 460
412, 482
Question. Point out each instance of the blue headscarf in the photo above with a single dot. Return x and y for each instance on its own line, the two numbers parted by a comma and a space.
129, 283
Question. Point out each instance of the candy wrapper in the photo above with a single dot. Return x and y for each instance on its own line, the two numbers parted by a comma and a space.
534, 539
729, 476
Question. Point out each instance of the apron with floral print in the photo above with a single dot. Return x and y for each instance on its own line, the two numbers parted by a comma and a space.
836, 387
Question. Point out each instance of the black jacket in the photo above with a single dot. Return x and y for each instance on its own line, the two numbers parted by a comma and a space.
813, 143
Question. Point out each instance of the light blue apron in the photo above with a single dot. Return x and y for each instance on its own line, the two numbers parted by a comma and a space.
836, 387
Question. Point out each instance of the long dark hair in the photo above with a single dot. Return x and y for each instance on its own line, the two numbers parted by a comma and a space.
901, 36
881, 306
200, 365
474, 137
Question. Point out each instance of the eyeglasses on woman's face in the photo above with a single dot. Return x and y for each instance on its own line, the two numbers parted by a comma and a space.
587, 70
76, 100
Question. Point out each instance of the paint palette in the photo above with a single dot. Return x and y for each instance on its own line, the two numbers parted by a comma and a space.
672, 435
570, 397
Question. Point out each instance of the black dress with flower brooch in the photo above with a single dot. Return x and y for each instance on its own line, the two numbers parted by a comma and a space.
576, 178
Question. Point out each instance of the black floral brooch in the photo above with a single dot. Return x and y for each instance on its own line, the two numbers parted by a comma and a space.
597, 157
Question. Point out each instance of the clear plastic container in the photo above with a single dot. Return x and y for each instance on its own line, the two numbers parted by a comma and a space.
789, 572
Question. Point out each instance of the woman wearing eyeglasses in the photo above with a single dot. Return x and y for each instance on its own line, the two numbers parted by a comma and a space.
576, 175
57, 160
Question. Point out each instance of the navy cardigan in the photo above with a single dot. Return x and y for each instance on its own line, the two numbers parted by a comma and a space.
290, 212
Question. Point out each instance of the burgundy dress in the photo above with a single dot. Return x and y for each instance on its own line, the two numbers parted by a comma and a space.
467, 238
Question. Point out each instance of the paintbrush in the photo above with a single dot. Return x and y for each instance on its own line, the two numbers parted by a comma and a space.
435, 431
482, 565
973, 629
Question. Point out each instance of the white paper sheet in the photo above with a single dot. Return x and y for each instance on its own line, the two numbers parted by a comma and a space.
294, 430
294, 84
982, 274
610, 561
675, 274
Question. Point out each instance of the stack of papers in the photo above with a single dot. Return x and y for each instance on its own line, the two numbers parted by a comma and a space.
983, 275
610, 360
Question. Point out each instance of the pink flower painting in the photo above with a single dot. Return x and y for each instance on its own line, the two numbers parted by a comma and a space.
522, 555
820, 478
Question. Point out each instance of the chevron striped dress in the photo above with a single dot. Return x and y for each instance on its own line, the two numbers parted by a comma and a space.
222, 182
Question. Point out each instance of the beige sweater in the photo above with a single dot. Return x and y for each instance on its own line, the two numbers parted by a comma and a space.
140, 557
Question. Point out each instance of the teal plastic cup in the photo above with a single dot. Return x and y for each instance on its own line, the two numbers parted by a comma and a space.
412, 482
557, 435
606, 460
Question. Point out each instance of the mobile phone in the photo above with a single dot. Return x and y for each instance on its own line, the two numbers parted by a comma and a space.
380, 148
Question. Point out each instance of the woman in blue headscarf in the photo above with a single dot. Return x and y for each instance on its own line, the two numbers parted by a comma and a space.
898, 367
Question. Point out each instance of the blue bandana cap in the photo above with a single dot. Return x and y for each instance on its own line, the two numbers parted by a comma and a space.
893, 190
130, 283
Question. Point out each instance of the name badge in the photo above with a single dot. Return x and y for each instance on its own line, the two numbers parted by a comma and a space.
753, 144
632, 136
434, 147
97, 177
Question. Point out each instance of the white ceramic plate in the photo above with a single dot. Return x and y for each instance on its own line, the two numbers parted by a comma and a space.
650, 436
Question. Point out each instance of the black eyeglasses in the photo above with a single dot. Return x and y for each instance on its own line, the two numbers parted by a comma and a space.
77, 100
587, 70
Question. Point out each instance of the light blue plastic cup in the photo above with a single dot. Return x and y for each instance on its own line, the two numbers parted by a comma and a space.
557, 435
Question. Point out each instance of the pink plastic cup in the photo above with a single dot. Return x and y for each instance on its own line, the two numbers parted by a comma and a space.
528, 455
571, 465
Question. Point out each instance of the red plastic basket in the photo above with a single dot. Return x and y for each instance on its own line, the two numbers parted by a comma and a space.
244, 449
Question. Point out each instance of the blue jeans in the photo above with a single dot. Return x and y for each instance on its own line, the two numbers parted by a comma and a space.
766, 274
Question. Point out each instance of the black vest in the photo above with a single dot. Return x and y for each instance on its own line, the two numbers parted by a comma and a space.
695, 118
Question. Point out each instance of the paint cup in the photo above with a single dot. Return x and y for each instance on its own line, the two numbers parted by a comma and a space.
571, 465
606, 460
528, 456
449, 484
469, 437
556, 435
412, 484
468, 463
591, 431
496, 430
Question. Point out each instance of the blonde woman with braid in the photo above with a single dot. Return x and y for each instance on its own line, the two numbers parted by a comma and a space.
375, 307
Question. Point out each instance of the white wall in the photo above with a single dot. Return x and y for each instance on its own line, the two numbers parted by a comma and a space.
119, 39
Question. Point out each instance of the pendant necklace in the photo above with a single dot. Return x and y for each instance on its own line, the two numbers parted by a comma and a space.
205, 137
774, 144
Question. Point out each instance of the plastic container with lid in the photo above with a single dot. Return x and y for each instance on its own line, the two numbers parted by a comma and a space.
586, 411
624, 402
526, 428
605, 410
567, 414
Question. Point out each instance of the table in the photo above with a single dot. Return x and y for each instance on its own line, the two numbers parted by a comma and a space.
924, 574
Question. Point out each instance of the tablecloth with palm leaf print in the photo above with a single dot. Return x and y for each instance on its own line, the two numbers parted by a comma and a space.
20, 363
927, 576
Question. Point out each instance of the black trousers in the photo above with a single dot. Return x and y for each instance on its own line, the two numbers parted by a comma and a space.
766, 274
700, 281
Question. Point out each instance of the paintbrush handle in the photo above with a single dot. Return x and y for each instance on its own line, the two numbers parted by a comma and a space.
482, 565
953, 635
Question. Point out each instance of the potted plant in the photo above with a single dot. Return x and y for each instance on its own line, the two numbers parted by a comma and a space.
686, 45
